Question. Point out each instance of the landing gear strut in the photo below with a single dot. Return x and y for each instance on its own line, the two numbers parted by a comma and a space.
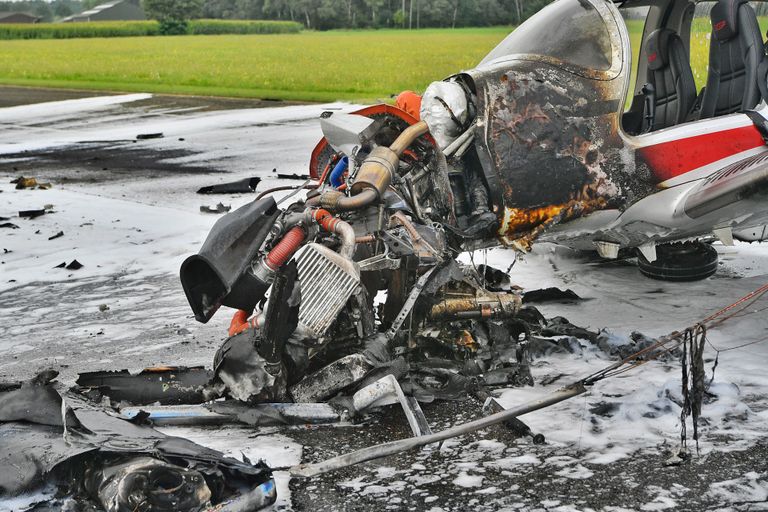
687, 261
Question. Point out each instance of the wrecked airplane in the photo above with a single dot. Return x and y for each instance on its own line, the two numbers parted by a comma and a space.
351, 297
529, 145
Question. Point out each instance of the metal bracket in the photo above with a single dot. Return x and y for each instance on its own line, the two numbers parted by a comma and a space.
409, 303
398, 245
725, 235
386, 391
648, 251
384, 261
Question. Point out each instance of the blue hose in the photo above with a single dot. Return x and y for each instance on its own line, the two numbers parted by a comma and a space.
338, 172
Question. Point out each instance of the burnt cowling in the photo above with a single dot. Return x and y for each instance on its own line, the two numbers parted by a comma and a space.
220, 273
549, 99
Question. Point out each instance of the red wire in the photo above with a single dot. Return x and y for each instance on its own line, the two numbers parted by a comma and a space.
745, 298
327, 169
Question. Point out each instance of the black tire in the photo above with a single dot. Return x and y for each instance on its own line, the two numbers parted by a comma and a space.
687, 261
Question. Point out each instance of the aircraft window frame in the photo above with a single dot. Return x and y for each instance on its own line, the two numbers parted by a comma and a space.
635, 62
615, 39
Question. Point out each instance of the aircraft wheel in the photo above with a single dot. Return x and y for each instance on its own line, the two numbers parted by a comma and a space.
687, 261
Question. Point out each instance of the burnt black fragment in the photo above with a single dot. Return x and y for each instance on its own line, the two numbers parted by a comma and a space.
166, 385
282, 315
494, 279
57, 235
141, 418
247, 376
31, 214
606, 409
551, 295
145, 136
74, 265
243, 186
219, 208
9, 225
100, 461
560, 326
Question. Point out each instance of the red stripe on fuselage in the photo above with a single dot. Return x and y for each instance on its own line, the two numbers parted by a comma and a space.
676, 157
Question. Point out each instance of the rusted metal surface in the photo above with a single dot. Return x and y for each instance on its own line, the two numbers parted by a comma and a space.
421, 247
486, 305
551, 215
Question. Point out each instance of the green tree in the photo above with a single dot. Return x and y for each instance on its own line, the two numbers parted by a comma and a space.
61, 9
173, 14
398, 18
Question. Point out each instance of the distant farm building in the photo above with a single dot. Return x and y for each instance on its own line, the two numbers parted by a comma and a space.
116, 10
18, 17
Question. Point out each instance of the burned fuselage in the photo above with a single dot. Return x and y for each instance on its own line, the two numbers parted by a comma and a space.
502, 152
527, 141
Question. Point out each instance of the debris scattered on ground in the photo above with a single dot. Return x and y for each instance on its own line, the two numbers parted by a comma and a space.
233, 411
31, 214
677, 459
292, 176
25, 183
97, 460
235, 187
61, 265
73, 265
9, 225
22, 182
551, 295
103, 307
57, 235
164, 385
219, 208
145, 136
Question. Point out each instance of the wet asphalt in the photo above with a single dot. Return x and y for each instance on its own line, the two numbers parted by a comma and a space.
419, 480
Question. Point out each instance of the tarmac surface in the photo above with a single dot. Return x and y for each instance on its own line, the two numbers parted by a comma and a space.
104, 176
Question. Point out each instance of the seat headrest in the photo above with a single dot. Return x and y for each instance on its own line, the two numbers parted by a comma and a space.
724, 17
657, 48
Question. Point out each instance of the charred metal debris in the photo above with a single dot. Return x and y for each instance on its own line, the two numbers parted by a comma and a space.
395, 201
347, 299
96, 460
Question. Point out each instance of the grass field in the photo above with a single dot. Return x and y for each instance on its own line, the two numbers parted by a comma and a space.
319, 66
141, 28
310, 66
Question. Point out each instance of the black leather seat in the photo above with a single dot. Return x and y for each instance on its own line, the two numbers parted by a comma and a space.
735, 52
669, 71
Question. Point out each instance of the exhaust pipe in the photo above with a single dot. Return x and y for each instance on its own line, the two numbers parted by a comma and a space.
374, 176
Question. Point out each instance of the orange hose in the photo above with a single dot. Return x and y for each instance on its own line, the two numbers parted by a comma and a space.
285, 248
325, 219
240, 322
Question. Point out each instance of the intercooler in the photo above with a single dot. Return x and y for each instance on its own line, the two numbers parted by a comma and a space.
327, 280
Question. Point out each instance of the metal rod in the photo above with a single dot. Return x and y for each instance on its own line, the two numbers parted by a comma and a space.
394, 447
460, 140
464, 147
